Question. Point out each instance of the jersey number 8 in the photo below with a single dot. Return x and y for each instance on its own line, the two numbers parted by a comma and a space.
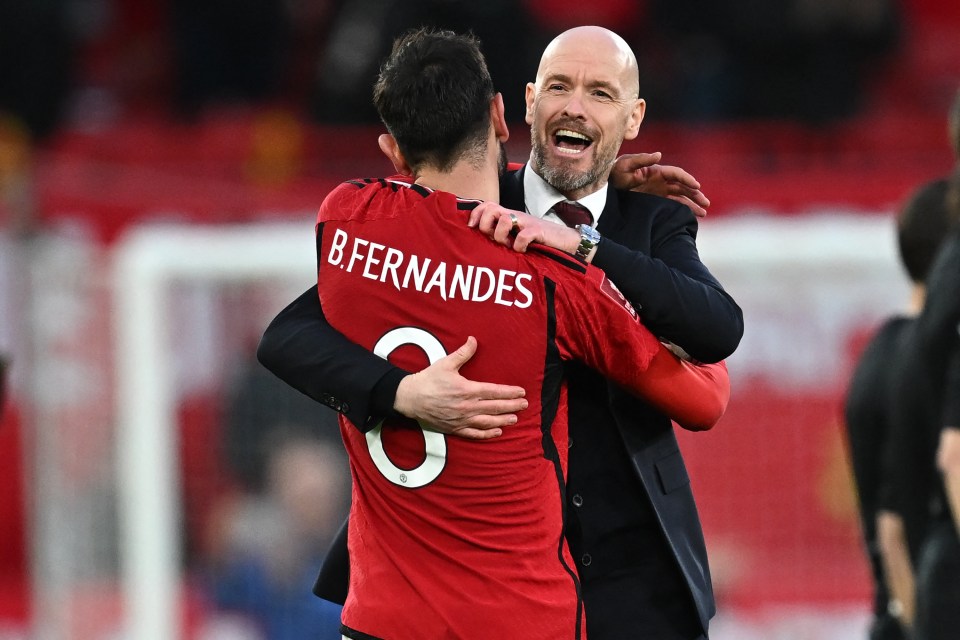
435, 443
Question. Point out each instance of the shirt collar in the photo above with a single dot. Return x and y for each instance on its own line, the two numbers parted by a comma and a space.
539, 197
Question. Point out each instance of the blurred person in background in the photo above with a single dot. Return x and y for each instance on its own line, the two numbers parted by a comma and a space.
920, 227
361, 32
36, 77
930, 404
808, 60
910, 502
265, 541
633, 522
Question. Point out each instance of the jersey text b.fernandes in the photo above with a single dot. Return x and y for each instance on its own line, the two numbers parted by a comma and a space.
380, 263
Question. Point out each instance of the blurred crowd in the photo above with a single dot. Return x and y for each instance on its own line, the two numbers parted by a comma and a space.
87, 59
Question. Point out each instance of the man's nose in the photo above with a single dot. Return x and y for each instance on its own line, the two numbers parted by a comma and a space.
575, 104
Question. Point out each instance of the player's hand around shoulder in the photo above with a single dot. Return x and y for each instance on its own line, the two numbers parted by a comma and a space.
517, 230
640, 172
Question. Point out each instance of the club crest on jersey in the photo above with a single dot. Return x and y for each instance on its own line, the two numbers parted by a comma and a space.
614, 294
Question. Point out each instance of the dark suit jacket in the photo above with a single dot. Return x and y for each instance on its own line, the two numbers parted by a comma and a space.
649, 250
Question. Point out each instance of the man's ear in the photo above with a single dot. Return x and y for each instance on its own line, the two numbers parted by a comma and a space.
390, 148
498, 118
636, 117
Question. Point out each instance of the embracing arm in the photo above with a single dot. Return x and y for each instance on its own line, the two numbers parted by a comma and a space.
678, 297
302, 349
626, 352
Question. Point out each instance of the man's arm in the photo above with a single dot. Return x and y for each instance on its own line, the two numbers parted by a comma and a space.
679, 298
302, 349
598, 326
676, 294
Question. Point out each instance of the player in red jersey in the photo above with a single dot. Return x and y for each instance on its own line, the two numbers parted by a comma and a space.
453, 538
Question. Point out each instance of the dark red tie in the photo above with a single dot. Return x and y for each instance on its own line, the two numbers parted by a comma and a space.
572, 213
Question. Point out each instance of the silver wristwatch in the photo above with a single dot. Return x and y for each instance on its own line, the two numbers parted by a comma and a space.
589, 238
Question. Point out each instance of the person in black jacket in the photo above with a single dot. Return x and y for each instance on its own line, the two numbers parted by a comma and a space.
874, 385
632, 519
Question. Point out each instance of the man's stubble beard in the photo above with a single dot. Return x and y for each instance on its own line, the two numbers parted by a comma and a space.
568, 180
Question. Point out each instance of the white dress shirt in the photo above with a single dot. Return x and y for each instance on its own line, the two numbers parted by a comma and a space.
539, 197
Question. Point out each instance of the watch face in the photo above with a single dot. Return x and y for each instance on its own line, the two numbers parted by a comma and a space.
588, 234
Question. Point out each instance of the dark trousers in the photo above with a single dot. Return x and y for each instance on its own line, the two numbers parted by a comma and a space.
627, 607
938, 585
886, 627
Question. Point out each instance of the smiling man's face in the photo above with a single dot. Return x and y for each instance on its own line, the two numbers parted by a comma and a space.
582, 107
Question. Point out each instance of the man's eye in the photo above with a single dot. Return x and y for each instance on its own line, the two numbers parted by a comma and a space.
556, 87
602, 94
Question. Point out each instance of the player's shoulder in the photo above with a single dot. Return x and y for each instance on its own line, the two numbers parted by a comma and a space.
550, 259
360, 197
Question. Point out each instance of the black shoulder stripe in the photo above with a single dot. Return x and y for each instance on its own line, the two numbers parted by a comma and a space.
571, 262
467, 205
361, 182
423, 191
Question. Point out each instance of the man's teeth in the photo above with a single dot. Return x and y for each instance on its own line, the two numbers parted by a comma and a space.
572, 134
571, 152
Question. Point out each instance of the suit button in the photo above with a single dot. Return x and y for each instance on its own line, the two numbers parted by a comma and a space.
586, 560
344, 408
577, 500
569, 443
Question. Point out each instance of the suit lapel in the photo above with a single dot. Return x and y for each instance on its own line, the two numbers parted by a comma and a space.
612, 220
511, 189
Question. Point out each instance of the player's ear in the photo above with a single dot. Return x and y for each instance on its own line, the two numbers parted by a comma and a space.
499, 119
530, 97
390, 148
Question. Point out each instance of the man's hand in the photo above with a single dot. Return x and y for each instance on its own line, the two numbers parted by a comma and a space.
498, 223
640, 172
441, 399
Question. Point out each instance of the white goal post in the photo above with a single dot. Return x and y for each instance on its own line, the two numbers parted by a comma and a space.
756, 258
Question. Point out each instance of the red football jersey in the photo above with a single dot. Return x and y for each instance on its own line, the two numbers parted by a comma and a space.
453, 538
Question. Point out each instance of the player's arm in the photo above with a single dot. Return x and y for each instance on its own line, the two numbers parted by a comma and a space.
679, 298
939, 321
901, 503
897, 568
948, 452
599, 327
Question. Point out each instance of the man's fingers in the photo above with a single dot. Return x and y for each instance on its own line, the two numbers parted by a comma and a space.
493, 391
633, 161
698, 211
463, 354
676, 174
470, 433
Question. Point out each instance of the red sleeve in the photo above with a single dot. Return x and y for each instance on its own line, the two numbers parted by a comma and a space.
598, 326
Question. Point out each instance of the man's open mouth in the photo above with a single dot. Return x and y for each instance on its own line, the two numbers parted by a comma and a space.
570, 142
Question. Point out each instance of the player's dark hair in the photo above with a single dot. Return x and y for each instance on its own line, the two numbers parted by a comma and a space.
923, 223
433, 94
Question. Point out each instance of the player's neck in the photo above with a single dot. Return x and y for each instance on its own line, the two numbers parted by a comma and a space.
464, 180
